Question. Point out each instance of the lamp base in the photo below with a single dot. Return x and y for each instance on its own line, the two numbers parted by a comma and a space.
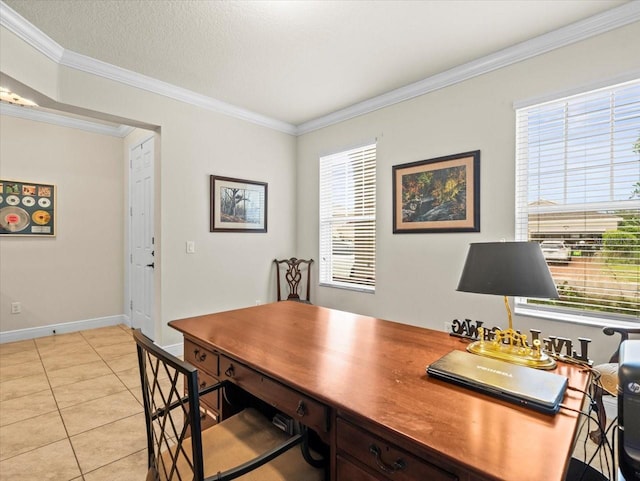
523, 356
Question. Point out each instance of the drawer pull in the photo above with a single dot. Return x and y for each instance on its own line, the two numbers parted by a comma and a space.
398, 465
199, 357
230, 371
301, 410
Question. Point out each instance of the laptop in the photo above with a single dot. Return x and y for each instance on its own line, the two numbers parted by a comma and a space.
535, 389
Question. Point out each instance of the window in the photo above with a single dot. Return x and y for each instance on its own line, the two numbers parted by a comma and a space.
578, 194
348, 219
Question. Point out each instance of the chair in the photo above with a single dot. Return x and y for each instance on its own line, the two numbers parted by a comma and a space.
293, 275
607, 383
245, 446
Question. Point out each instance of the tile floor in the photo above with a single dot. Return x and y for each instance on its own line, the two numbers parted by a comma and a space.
70, 409
587, 451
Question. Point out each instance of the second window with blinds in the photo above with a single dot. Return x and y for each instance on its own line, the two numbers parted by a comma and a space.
348, 219
578, 194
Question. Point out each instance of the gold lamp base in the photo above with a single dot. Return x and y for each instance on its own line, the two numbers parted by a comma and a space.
524, 356
511, 346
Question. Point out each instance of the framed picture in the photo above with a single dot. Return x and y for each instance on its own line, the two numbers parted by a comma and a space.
437, 195
238, 205
27, 209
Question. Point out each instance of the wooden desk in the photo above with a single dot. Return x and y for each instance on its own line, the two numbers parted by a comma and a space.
369, 376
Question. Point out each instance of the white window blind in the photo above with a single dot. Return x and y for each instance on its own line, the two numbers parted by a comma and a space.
348, 218
578, 193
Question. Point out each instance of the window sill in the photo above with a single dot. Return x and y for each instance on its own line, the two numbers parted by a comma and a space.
584, 320
366, 290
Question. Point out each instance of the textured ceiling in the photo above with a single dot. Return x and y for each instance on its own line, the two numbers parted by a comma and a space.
295, 61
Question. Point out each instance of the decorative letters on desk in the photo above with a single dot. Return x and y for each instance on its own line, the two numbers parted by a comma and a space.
559, 346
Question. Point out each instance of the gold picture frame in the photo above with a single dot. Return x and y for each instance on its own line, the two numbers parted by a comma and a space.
437, 195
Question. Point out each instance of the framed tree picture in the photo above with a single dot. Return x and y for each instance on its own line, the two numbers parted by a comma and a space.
437, 195
238, 205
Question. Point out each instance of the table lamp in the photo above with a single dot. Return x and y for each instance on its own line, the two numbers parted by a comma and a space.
509, 269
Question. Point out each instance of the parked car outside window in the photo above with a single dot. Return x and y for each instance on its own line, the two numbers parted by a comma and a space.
556, 251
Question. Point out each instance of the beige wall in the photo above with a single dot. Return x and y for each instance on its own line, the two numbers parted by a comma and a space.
228, 270
78, 275
417, 274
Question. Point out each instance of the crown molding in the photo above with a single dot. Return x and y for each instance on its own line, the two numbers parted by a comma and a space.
584, 29
30, 113
29, 33
26, 31
102, 69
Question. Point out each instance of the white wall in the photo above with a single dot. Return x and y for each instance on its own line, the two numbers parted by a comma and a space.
417, 274
78, 274
228, 270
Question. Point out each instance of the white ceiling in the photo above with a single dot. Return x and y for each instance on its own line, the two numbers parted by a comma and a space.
296, 61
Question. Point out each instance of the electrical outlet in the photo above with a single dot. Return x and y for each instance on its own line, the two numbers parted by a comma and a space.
447, 326
257, 302
16, 308
191, 247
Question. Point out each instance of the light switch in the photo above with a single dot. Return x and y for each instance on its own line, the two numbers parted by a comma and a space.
191, 247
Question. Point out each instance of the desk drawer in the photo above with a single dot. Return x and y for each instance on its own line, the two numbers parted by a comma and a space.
385, 458
207, 417
211, 399
301, 408
348, 471
201, 358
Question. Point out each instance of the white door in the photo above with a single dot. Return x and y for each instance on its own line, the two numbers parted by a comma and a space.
142, 238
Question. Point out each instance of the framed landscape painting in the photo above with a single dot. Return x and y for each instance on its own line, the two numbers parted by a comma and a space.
437, 195
238, 205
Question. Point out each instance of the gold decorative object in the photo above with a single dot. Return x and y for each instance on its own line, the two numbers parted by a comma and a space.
511, 346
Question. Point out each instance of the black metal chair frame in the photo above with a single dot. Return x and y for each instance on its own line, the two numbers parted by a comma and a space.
293, 277
150, 356
597, 435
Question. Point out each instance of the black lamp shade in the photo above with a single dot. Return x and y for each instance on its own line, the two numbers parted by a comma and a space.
507, 269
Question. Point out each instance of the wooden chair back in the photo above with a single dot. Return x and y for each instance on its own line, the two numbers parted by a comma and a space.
291, 272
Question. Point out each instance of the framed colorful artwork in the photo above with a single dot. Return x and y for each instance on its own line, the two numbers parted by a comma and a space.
437, 195
27, 209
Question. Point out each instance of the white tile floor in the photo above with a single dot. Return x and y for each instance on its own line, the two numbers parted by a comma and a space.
70, 409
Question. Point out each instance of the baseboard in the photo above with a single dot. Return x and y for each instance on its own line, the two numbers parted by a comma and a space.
74, 326
62, 328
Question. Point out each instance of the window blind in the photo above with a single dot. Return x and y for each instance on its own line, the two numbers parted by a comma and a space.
348, 218
578, 194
